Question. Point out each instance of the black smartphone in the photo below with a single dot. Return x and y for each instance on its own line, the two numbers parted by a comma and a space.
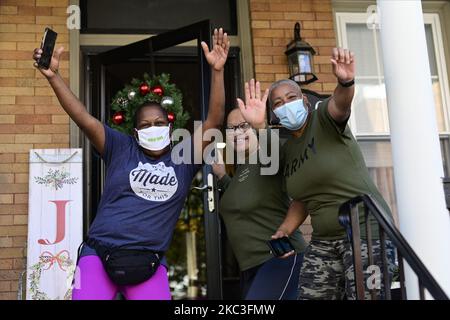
47, 46
280, 246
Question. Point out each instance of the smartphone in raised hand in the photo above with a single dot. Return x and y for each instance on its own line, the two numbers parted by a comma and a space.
47, 47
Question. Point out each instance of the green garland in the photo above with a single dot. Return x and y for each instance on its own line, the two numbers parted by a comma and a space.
35, 279
127, 100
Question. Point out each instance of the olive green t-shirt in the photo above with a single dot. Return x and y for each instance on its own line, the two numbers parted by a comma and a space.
253, 206
324, 168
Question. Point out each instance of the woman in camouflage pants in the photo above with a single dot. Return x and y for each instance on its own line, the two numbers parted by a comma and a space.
323, 167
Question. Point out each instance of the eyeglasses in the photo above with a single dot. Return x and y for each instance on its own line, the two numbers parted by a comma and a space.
243, 126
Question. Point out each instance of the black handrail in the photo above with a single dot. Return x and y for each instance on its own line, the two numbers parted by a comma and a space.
349, 218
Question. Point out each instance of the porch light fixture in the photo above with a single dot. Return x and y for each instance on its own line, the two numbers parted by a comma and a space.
300, 58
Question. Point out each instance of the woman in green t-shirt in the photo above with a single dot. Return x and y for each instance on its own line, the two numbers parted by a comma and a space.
323, 167
255, 208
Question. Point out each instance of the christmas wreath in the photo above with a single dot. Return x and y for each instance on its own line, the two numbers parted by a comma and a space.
46, 261
149, 89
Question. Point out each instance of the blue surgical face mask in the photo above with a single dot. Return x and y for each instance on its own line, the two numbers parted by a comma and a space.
292, 115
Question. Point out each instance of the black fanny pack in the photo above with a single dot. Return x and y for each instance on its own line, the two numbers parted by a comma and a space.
127, 266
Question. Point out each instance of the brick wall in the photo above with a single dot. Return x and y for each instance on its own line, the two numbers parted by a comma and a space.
30, 117
272, 23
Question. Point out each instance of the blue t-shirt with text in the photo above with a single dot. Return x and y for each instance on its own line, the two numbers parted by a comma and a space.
142, 197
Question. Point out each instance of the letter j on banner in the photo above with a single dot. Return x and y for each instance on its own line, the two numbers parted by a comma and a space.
55, 222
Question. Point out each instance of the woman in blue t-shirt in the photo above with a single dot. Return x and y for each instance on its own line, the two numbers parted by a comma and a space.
145, 189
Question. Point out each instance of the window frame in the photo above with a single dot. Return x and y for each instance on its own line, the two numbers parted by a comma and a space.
344, 18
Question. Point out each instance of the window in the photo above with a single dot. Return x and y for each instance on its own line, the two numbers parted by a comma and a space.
369, 121
370, 114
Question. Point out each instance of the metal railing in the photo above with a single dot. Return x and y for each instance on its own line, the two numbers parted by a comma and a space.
349, 219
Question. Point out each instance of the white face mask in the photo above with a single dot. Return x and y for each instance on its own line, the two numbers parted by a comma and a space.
154, 138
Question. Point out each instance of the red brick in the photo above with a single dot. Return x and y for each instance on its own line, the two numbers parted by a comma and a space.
10, 274
266, 77
328, 33
6, 157
51, 128
34, 100
13, 208
263, 59
255, 6
8, 295
298, 17
10, 252
267, 15
321, 6
18, 2
16, 128
5, 286
17, 19
13, 188
271, 33
260, 24
270, 68
33, 119
6, 264
35, 11
15, 109
52, 3
19, 242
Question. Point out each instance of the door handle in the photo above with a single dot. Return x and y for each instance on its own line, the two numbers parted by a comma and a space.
210, 188
202, 188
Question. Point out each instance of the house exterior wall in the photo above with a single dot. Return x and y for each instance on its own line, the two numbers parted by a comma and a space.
30, 117
272, 27
272, 24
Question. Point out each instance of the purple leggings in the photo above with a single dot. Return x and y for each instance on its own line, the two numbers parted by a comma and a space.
92, 283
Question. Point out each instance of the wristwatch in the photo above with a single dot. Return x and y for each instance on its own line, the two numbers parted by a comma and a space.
347, 84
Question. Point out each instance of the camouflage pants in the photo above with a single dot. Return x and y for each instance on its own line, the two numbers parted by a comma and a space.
327, 272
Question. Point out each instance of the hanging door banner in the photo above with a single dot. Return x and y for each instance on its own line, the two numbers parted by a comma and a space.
55, 222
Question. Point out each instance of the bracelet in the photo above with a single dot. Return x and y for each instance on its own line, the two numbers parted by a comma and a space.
347, 84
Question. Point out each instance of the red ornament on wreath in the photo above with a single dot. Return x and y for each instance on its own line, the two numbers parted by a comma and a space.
118, 118
158, 90
171, 117
144, 89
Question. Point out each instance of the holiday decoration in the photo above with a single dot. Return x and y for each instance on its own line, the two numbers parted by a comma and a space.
118, 118
122, 102
151, 89
55, 223
158, 90
131, 95
171, 117
167, 102
144, 89
45, 263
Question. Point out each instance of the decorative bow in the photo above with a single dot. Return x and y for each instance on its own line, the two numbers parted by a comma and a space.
61, 258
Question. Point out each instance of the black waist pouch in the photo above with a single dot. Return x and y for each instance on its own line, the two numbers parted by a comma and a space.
127, 266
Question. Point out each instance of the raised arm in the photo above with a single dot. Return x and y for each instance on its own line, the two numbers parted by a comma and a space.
254, 108
93, 128
343, 62
216, 58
